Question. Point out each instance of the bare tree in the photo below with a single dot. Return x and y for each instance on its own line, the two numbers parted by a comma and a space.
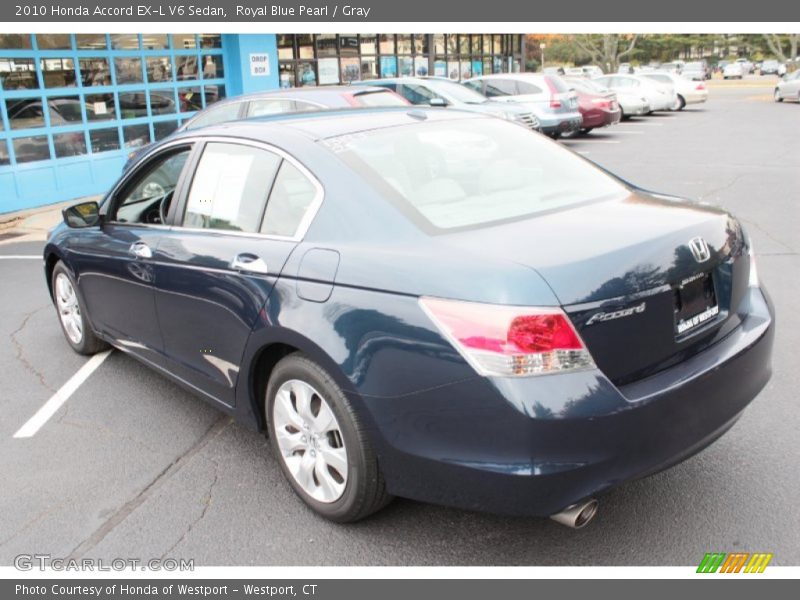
776, 45
606, 50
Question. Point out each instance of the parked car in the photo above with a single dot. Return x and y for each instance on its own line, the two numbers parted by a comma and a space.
551, 100
625, 69
788, 88
506, 328
770, 67
584, 71
437, 91
658, 96
554, 70
688, 92
630, 103
733, 70
598, 106
747, 65
696, 71
284, 101
672, 67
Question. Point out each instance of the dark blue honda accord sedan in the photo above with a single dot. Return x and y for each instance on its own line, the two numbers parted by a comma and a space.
429, 304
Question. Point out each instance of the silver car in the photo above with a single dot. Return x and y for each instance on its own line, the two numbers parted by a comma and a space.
657, 95
555, 105
788, 88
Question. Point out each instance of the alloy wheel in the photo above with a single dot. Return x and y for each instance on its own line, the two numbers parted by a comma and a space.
69, 311
310, 441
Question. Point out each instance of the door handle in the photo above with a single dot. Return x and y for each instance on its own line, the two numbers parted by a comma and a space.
249, 263
140, 250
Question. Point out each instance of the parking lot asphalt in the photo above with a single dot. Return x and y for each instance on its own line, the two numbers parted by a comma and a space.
133, 466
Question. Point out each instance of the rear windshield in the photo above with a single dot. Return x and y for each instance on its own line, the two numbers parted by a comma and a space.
380, 99
458, 174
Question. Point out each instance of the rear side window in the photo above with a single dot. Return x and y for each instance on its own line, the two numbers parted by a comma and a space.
528, 88
270, 106
291, 198
230, 187
218, 114
500, 87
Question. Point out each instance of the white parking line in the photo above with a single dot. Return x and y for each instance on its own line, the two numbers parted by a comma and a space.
57, 400
631, 131
22, 256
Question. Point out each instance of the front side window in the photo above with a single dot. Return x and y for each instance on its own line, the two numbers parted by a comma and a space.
461, 174
230, 187
151, 192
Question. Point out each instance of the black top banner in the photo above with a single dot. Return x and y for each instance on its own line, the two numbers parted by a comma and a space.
364, 11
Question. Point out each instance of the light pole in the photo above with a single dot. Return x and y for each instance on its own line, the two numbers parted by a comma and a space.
542, 46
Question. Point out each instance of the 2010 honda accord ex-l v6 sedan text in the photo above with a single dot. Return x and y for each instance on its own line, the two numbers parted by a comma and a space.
437, 305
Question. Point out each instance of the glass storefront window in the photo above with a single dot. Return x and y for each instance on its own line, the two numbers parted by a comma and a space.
15, 41
421, 66
328, 69
388, 66
286, 75
18, 74
305, 46
186, 67
29, 149
406, 64
25, 113
125, 41
404, 45
58, 72
129, 70
162, 102
367, 43
184, 41
94, 71
4, 158
100, 107
452, 44
453, 69
386, 43
189, 99
438, 43
421, 43
476, 43
348, 44
69, 144
487, 43
159, 69
285, 47
136, 136
155, 41
64, 110
213, 93
162, 129
103, 140
463, 44
306, 74
498, 44
326, 44
212, 67
369, 67
90, 41
53, 41
132, 105
351, 69
210, 40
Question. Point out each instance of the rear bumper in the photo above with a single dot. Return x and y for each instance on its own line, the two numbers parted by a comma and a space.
562, 124
532, 446
600, 117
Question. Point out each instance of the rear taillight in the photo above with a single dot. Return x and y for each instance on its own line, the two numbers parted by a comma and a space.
602, 102
555, 102
700, 86
508, 341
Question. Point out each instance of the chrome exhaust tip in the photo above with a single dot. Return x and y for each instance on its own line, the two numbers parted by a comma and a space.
577, 515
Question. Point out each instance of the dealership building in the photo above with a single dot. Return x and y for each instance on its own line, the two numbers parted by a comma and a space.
73, 106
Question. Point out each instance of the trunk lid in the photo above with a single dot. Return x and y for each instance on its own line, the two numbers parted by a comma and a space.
626, 275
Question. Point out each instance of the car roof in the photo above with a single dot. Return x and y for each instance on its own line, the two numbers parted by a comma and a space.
327, 124
518, 76
308, 93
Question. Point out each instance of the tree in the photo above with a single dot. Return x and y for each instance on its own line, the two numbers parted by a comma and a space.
776, 45
606, 50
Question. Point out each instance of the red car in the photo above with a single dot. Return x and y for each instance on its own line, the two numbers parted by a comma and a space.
598, 105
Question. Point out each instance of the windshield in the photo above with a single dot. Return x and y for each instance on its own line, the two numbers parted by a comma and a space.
456, 92
469, 173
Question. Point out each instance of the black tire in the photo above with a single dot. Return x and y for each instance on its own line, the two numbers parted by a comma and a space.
554, 134
682, 102
89, 342
777, 95
365, 490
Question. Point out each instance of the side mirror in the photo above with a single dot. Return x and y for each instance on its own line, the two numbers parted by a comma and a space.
437, 102
85, 214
